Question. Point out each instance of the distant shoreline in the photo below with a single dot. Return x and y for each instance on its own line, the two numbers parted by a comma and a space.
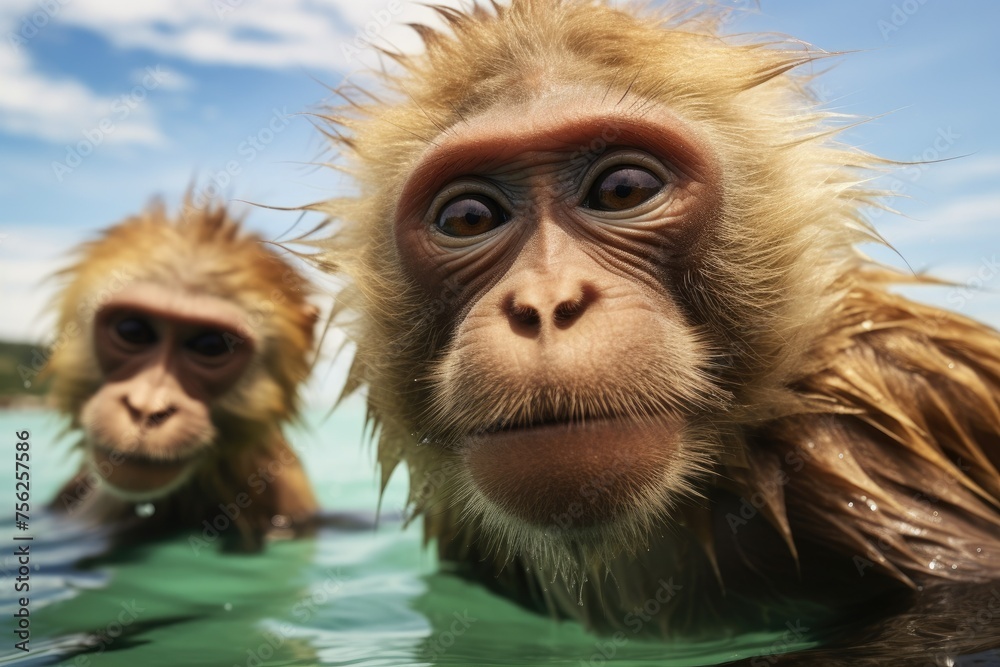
24, 402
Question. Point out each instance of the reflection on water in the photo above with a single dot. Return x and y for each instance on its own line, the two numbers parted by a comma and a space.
361, 595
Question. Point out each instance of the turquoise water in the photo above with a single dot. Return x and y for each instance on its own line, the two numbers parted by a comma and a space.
364, 596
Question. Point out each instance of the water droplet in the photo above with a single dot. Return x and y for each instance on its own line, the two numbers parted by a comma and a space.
954, 567
979, 550
872, 506
951, 365
933, 564
851, 504
840, 456
935, 513
228, 606
145, 510
867, 325
279, 521
864, 499
811, 444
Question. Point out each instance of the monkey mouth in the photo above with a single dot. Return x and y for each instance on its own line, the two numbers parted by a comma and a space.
508, 425
136, 473
570, 473
519, 424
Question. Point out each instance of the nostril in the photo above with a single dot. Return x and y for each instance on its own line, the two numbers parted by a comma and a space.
521, 313
134, 413
567, 311
160, 416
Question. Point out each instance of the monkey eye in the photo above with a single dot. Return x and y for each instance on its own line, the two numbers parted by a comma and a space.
208, 344
622, 188
136, 331
470, 215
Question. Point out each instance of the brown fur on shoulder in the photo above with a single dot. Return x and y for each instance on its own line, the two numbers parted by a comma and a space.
907, 479
858, 442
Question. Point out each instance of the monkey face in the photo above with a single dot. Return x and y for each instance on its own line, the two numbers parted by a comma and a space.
572, 380
165, 356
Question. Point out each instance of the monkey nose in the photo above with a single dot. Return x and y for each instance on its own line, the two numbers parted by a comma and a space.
539, 307
145, 416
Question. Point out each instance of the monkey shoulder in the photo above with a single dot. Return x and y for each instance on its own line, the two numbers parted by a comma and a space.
896, 460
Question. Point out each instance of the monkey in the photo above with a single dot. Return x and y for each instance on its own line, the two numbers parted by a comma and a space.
601, 270
184, 342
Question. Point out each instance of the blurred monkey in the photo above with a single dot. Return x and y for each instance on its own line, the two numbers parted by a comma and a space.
188, 341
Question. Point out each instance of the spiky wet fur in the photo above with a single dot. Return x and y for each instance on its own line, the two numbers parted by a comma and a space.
204, 250
808, 349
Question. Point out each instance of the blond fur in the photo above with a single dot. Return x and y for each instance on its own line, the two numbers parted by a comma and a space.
199, 251
810, 349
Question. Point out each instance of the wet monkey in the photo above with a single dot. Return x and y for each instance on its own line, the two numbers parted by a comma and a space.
187, 341
602, 277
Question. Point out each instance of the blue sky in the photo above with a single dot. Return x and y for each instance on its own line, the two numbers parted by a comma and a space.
167, 91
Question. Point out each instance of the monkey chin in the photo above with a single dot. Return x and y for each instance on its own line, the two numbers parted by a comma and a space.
135, 477
589, 471
567, 492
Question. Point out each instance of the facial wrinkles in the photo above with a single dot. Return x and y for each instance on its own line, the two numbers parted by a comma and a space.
546, 191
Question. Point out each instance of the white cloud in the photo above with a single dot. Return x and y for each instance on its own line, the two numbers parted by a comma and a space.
974, 215
969, 169
61, 110
326, 35
28, 259
262, 33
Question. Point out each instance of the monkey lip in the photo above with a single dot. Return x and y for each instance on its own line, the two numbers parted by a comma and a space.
137, 473
571, 475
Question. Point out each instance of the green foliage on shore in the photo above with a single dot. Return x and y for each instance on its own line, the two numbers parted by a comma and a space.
13, 355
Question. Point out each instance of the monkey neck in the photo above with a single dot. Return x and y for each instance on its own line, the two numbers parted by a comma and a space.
242, 490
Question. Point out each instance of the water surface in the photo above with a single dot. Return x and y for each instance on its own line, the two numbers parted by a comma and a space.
365, 595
